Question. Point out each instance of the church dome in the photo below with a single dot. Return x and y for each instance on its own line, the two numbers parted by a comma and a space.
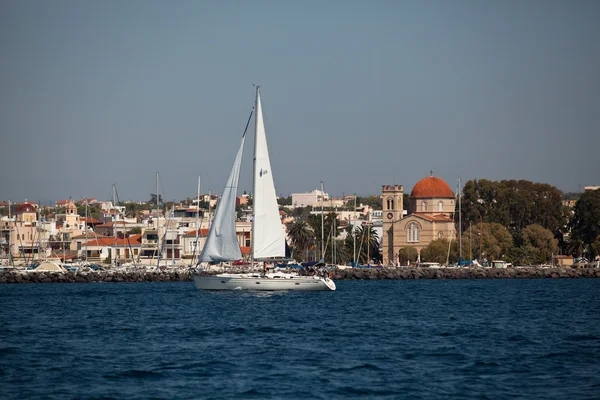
431, 186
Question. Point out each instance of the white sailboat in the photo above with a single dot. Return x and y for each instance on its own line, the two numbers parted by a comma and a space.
268, 237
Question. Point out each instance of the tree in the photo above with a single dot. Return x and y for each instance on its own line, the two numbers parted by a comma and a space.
153, 199
515, 205
284, 201
488, 240
437, 251
585, 223
134, 231
314, 220
301, 235
542, 242
367, 244
372, 201
408, 254
301, 212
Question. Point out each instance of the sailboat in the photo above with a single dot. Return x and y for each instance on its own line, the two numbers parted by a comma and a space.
268, 237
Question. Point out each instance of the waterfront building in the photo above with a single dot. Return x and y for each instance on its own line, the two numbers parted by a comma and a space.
316, 198
430, 216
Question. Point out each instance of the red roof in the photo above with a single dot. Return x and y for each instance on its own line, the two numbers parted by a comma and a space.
201, 232
25, 207
432, 186
90, 220
133, 240
435, 218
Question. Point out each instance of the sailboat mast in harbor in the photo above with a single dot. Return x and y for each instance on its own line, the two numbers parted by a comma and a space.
114, 258
322, 225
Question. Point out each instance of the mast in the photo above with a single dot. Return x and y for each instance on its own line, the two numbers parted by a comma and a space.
86, 228
38, 219
173, 240
369, 238
254, 178
354, 233
114, 260
322, 224
10, 257
197, 218
157, 225
333, 236
459, 225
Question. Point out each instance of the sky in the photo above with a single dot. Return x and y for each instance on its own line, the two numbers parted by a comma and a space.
357, 94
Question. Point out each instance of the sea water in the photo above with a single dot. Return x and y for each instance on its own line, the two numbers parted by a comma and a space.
467, 339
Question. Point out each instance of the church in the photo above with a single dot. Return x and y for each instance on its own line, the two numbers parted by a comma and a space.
429, 216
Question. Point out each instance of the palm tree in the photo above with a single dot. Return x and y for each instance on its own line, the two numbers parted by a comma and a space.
368, 244
300, 234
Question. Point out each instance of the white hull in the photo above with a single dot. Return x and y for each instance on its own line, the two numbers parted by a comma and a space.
258, 282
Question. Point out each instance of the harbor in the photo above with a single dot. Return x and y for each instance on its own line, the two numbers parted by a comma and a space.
184, 274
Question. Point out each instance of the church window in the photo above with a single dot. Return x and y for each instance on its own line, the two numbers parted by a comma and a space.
412, 232
440, 206
424, 206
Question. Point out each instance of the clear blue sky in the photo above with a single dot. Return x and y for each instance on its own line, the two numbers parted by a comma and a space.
355, 93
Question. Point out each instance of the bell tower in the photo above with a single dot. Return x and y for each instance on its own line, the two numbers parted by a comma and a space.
392, 198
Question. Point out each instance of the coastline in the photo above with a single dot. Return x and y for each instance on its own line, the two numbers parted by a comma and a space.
183, 275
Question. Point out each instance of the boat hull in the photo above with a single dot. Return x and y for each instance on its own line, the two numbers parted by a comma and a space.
262, 283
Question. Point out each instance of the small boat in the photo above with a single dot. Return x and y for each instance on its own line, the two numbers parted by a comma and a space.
268, 237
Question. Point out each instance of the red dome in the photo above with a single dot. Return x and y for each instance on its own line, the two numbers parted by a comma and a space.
432, 187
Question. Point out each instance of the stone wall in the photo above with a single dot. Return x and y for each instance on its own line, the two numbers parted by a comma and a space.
7, 276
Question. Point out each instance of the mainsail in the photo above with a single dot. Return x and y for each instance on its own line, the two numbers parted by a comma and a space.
267, 231
222, 244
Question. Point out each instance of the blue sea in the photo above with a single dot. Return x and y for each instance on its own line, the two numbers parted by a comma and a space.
434, 339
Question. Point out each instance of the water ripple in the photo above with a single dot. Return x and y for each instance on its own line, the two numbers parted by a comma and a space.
371, 339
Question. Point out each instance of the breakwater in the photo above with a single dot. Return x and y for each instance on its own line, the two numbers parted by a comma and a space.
182, 275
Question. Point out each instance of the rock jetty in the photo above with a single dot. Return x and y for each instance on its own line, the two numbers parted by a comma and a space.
183, 275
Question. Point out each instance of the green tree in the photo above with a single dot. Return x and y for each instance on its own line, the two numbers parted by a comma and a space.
284, 201
134, 231
152, 200
301, 236
408, 254
488, 240
372, 201
438, 251
513, 204
585, 223
301, 212
314, 220
542, 242
367, 244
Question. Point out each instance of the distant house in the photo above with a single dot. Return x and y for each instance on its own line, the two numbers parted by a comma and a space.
123, 249
109, 228
61, 203
564, 261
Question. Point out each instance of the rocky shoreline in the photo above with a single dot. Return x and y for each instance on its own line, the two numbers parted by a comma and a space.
183, 275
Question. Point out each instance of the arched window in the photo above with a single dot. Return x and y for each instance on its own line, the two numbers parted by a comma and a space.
390, 203
440, 206
412, 232
424, 206
440, 235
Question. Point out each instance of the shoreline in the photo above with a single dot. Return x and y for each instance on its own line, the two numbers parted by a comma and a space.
184, 275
